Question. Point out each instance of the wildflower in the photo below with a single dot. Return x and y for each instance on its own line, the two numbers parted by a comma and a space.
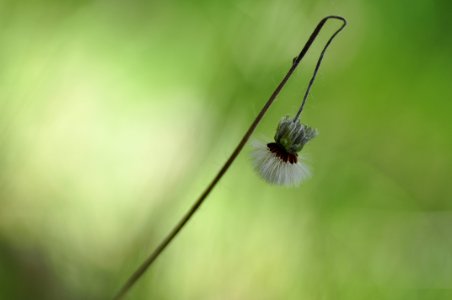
279, 162
276, 162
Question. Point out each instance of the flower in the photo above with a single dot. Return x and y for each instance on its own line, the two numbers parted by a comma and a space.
278, 162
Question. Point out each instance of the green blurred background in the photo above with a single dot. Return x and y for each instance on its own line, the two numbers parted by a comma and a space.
114, 115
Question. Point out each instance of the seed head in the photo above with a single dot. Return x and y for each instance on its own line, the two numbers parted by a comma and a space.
278, 162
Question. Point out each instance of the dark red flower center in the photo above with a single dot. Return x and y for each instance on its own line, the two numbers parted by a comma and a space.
282, 153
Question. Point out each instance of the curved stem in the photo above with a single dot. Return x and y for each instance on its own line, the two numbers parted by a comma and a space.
319, 61
167, 240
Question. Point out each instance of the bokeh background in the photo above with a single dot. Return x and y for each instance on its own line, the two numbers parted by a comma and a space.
114, 115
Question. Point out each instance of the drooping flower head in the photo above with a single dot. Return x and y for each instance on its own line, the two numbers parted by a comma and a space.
278, 162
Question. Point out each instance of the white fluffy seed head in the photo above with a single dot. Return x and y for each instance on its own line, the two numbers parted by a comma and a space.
274, 170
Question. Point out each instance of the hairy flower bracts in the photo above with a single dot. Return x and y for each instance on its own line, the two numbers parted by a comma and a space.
278, 162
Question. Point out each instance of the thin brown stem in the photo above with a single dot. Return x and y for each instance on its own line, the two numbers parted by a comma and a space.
317, 66
167, 240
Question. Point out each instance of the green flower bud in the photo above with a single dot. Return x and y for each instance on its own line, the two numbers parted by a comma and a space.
293, 135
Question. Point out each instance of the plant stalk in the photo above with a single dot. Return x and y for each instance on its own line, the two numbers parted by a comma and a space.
183, 221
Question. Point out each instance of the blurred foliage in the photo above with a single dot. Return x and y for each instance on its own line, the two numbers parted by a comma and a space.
114, 115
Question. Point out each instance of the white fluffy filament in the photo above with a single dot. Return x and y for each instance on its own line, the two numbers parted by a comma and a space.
276, 171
